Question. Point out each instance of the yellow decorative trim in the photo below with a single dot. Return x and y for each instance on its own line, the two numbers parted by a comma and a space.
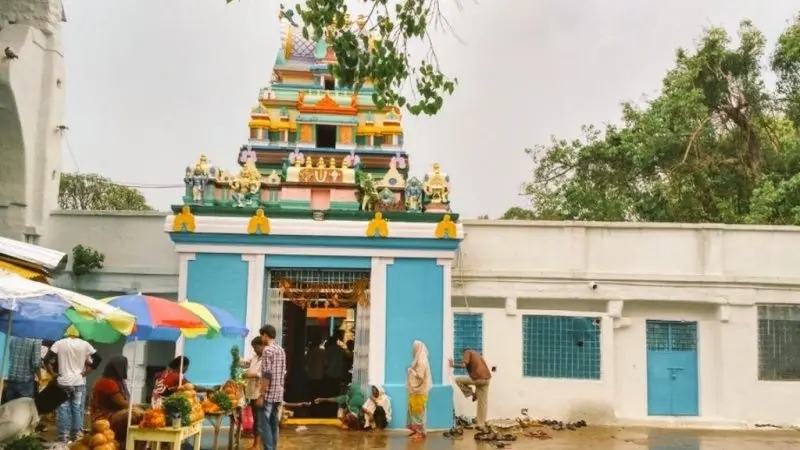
258, 223
378, 227
446, 228
259, 123
184, 221
282, 126
391, 129
378, 130
367, 129
289, 42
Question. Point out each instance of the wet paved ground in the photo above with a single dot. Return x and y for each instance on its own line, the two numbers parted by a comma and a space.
591, 438
594, 438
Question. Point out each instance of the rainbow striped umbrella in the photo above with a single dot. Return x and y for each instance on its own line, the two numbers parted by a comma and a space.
154, 314
218, 322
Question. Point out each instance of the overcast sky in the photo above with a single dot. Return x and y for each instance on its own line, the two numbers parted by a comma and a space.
151, 84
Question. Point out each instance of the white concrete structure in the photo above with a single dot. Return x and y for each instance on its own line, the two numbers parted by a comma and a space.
138, 257
32, 94
625, 274
622, 274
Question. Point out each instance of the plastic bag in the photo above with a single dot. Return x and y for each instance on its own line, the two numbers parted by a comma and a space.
247, 420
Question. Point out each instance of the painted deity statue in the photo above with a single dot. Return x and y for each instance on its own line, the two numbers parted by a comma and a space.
386, 197
246, 186
413, 195
368, 190
198, 177
436, 186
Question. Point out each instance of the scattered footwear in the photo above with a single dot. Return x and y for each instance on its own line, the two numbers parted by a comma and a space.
465, 422
539, 434
455, 432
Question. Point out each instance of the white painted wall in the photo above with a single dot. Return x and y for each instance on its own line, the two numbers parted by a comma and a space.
139, 256
32, 94
712, 274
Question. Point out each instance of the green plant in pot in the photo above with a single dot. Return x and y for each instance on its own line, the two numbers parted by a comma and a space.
178, 406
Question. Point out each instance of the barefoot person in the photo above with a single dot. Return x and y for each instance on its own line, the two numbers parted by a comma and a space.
351, 407
253, 387
273, 375
418, 383
377, 410
479, 377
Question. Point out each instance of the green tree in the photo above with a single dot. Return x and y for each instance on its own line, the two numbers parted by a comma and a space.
90, 191
717, 145
376, 48
517, 213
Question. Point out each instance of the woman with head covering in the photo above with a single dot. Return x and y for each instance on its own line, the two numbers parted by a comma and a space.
418, 383
377, 410
110, 398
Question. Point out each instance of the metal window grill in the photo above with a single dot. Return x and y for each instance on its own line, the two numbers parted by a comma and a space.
467, 333
310, 277
671, 336
561, 347
779, 342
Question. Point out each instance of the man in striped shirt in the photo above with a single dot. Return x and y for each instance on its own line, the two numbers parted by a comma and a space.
273, 374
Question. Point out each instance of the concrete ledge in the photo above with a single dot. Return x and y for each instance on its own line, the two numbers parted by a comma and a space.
479, 223
689, 423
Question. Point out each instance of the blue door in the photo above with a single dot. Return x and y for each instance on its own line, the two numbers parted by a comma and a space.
672, 382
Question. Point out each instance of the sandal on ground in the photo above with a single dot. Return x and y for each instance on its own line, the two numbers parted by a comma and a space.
505, 437
485, 436
454, 432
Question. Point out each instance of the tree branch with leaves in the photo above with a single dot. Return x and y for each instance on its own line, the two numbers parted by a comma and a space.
376, 49
716, 145
93, 192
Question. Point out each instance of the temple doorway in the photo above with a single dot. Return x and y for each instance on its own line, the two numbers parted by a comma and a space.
323, 320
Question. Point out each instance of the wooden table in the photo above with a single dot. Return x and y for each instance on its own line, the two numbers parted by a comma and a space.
167, 435
234, 431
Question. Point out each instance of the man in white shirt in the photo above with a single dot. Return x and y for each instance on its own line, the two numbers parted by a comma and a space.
74, 358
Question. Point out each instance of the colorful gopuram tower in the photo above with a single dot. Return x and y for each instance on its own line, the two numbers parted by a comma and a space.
323, 208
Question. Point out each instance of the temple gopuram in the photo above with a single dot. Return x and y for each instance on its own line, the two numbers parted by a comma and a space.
318, 150
322, 227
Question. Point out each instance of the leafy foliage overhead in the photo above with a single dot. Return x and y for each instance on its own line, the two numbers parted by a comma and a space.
89, 191
384, 59
717, 145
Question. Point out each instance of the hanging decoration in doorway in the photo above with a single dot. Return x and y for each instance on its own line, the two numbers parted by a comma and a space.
446, 228
325, 295
377, 226
259, 223
360, 294
184, 221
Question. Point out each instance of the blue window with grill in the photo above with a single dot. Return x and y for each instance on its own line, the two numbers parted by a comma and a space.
561, 347
467, 333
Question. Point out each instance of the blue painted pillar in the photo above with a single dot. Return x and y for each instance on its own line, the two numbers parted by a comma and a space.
415, 311
218, 279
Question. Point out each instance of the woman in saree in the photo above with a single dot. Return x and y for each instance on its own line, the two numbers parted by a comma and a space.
418, 383
110, 397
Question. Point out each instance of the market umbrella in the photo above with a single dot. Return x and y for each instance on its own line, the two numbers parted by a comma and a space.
217, 321
37, 310
37, 304
154, 313
49, 317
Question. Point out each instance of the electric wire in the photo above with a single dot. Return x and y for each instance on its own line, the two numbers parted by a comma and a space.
71, 153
